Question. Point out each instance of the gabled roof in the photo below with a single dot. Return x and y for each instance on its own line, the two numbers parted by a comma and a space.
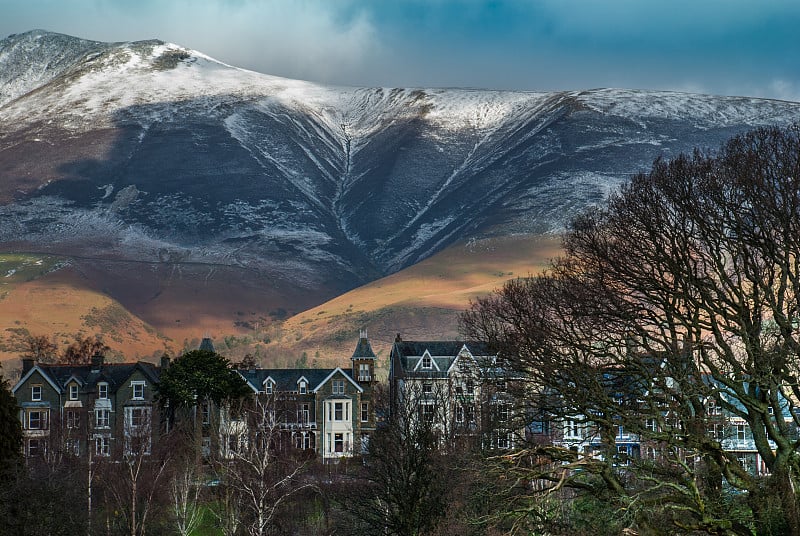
42, 373
333, 372
115, 374
408, 354
286, 380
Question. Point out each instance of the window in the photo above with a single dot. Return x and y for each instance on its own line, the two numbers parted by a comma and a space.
268, 387
364, 443
427, 388
364, 411
138, 390
72, 446
303, 440
73, 392
503, 440
137, 417
73, 419
427, 412
338, 442
573, 429
36, 393
623, 455
364, 373
427, 362
303, 388
304, 414
470, 413
741, 432
102, 391
37, 420
206, 412
35, 447
101, 418
102, 446
503, 412
651, 425
205, 447
338, 411
338, 387
716, 430
459, 413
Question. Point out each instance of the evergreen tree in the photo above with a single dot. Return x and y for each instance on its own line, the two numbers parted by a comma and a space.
10, 428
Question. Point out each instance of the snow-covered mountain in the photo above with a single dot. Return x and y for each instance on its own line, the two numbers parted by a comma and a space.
150, 151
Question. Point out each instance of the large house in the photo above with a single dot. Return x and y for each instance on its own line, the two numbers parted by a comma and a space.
457, 386
100, 409
329, 411
110, 409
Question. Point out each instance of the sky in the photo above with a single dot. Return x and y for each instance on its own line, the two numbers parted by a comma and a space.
723, 47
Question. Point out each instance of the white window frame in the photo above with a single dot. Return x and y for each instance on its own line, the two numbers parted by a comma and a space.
303, 387
73, 391
337, 387
102, 391
36, 393
41, 421
137, 385
427, 362
102, 418
268, 387
102, 446
73, 419
365, 412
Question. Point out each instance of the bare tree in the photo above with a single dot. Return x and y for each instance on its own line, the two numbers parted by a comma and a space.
185, 481
133, 482
259, 468
679, 296
82, 349
40, 348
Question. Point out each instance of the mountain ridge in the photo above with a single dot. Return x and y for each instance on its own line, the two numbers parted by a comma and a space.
149, 152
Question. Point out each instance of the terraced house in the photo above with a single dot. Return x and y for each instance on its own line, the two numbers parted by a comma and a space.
100, 409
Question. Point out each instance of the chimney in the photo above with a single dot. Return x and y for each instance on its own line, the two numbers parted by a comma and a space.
164, 362
97, 362
27, 364
398, 339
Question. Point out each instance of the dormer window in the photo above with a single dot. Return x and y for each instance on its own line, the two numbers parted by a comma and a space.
268, 386
73, 392
427, 362
102, 391
36, 393
303, 388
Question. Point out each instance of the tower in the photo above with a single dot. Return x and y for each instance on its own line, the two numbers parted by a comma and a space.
364, 361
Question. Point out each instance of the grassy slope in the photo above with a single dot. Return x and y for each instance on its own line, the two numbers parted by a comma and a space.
141, 317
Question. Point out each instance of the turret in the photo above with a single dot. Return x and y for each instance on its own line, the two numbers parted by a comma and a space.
363, 360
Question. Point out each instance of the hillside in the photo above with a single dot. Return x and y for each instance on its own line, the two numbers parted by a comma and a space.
199, 196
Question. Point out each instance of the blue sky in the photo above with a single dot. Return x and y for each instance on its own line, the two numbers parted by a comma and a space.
729, 47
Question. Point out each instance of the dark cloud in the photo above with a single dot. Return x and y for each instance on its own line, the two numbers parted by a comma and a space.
725, 47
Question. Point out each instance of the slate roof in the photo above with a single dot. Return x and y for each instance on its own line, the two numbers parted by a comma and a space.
363, 349
443, 353
115, 374
286, 379
207, 345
